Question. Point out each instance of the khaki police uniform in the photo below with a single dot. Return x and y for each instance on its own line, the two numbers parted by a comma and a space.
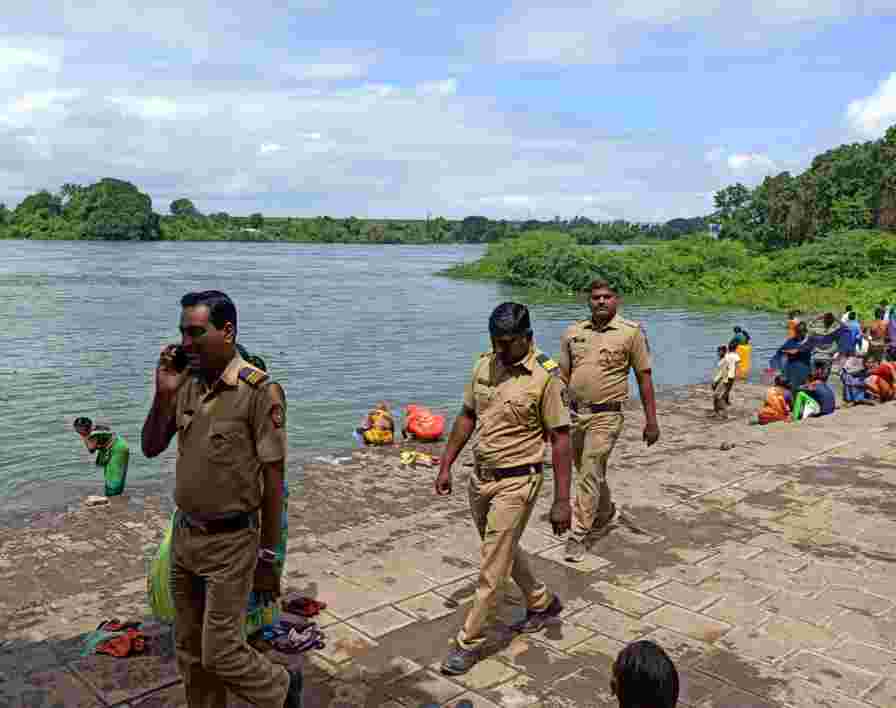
225, 434
598, 360
515, 406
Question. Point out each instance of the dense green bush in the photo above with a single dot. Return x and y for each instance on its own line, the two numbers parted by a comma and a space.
856, 267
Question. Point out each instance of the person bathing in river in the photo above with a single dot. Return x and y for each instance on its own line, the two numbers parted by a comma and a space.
112, 453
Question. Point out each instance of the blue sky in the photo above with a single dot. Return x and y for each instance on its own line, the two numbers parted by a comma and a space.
636, 109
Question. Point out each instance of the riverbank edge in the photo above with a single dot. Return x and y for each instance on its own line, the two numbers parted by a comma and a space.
759, 509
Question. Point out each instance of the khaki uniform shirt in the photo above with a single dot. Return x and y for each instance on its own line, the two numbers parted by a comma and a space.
599, 359
515, 407
225, 433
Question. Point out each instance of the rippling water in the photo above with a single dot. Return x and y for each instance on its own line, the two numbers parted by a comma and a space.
340, 327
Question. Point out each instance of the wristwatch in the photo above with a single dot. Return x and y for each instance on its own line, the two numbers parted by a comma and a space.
267, 555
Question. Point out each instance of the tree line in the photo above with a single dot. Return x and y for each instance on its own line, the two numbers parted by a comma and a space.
850, 187
114, 209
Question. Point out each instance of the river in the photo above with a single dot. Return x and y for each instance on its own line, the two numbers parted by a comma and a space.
340, 326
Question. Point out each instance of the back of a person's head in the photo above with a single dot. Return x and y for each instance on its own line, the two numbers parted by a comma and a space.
852, 314
645, 677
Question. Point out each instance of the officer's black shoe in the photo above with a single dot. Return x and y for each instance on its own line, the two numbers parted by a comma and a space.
459, 661
294, 693
535, 621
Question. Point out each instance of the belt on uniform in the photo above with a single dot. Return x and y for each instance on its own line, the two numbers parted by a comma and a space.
518, 471
608, 407
247, 520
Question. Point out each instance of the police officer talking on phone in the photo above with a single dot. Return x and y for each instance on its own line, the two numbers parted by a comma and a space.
229, 418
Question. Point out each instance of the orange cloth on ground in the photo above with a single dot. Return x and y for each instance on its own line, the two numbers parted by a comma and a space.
131, 642
422, 424
775, 408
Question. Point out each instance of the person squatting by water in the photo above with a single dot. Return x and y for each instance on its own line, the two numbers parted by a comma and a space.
595, 358
517, 397
229, 418
112, 453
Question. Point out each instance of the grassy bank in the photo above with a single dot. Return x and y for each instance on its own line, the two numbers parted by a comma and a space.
854, 267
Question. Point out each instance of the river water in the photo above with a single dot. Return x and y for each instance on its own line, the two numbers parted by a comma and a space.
340, 326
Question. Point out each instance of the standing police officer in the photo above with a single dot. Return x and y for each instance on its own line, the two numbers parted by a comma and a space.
595, 358
516, 395
231, 451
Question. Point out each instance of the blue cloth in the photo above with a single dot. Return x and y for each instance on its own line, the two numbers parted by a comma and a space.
824, 394
848, 339
853, 386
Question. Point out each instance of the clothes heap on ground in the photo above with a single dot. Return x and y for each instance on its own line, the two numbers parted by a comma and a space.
378, 426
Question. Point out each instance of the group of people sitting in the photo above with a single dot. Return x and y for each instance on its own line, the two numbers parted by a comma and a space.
864, 355
420, 423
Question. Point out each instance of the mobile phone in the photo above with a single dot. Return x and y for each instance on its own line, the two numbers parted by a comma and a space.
180, 358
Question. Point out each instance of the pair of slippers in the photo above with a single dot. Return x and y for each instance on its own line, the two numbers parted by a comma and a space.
305, 606
297, 641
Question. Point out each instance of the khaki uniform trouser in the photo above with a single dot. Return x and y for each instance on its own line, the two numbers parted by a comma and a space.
501, 510
211, 577
593, 438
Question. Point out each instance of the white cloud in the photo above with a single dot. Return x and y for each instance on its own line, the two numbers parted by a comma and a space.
577, 32
750, 161
268, 148
42, 100
12, 57
442, 87
159, 107
327, 72
870, 117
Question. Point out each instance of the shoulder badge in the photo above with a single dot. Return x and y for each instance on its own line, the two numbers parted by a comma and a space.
630, 323
548, 364
252, 376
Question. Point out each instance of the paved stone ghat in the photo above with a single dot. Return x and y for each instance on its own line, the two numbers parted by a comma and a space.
762, 558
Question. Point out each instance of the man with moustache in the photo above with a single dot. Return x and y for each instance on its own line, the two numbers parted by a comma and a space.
229, 418
595, 357
516, 396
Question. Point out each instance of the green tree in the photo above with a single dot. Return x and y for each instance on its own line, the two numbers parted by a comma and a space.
183, 207
41, 203
473, 229
256, 220
115, 210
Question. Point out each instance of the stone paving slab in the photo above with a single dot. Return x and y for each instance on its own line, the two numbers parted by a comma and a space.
761, 558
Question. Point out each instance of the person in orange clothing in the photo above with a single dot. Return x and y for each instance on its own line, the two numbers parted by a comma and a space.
777, 403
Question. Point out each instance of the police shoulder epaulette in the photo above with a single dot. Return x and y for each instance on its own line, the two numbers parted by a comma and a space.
548, 364
630, 323
253, 376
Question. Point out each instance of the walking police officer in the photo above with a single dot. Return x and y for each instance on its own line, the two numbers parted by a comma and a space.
595, 358
231, 450
516, 395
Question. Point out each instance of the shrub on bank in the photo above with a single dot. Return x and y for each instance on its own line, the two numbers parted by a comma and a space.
857, 267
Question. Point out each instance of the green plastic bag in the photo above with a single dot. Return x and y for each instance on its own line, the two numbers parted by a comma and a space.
158, 582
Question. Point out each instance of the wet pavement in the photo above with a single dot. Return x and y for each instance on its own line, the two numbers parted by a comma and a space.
761, 558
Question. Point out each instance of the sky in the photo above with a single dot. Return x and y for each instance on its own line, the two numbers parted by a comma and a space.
623, 109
